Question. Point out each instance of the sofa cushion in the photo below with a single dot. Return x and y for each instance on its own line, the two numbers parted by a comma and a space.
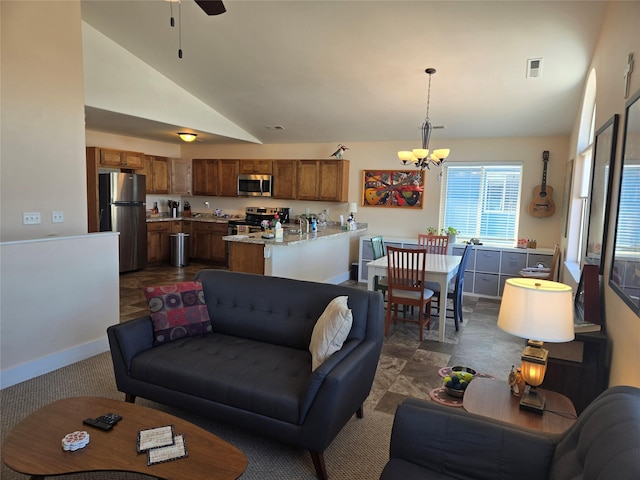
257, 377
280, 311
330, 331
177, 311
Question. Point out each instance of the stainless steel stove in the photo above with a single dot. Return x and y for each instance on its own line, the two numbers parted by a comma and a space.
255, 216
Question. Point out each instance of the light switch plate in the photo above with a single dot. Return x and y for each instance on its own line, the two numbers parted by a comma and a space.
57, 217
30, 218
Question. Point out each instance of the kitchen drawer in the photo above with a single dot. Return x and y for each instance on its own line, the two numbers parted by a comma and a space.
488, 261
513, 262
536, 258
486, 284
467, 287
164, 226
367, 250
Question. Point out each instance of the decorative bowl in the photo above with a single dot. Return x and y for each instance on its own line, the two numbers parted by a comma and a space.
467, 372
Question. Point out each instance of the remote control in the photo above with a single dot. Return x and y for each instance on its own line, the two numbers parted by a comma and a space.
92, 422
110, 418
103, 422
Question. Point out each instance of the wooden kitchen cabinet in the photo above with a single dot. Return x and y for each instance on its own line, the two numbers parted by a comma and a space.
228, 178
264, 167
156, 169
215, 177
325, 180
206, 242
284, 179
121, 159
158, 247
181, 183
204, 173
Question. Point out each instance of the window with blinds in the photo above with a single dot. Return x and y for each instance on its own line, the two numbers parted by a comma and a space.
482, 201
628, 228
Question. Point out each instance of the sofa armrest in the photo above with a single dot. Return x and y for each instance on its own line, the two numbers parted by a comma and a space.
128, 339
454, 442
342, 391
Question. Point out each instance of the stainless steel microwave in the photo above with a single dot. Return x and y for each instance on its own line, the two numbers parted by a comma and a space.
255, 185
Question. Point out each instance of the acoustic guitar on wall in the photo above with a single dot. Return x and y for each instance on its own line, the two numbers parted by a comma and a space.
542, 205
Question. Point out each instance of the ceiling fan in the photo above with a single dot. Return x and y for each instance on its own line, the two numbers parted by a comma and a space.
211, 7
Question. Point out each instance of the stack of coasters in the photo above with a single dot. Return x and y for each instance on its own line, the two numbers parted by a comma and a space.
161, 444
75, 441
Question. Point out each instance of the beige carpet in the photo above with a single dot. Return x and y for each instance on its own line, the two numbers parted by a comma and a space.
360, 451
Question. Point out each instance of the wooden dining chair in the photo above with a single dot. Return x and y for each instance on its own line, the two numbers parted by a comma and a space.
377, 247
434, 243
406, 272
552, 269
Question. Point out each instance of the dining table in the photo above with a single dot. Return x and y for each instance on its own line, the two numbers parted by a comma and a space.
438, 268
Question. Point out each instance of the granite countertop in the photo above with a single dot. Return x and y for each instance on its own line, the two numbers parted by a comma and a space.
202, 217
291, 238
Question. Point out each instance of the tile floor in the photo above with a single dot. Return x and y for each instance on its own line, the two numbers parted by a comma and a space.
407, 367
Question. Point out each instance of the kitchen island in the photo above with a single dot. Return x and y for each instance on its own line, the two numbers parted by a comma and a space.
321, 256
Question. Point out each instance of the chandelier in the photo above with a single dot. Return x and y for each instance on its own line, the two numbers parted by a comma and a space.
420, 156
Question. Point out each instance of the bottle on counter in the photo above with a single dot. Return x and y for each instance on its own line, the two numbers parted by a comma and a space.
314, 225
322, 218
278, 227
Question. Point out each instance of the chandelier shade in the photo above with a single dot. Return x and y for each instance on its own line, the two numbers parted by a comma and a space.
420, 156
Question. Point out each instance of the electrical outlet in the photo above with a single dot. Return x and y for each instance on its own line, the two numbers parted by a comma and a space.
57, 217
30, 218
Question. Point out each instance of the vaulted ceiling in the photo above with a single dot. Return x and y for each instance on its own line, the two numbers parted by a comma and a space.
340, 71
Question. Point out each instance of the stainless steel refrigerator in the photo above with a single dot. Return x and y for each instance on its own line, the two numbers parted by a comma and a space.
122, 209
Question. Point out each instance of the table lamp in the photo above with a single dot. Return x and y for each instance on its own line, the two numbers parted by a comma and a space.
539, 311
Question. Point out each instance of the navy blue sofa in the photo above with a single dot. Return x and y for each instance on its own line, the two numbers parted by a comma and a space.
431, 441
254, 369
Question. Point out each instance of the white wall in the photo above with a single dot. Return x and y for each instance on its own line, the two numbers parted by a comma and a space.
383, 155
57, 294
57, 298
42, 119
618, 38
137, 92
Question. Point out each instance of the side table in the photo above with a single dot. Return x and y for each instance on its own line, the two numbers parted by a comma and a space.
492, 398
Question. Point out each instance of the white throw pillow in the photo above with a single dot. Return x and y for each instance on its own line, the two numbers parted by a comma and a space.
330, 331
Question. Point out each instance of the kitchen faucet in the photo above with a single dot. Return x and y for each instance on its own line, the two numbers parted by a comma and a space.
306, 221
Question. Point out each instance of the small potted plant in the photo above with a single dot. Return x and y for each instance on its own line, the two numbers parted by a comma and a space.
432, 231
451, 232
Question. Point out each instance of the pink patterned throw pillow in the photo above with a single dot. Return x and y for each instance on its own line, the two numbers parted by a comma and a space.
177, 311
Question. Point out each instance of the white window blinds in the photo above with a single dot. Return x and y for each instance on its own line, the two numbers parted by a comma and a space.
482, 201
628, 228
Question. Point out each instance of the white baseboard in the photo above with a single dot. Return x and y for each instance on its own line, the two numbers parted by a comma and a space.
40, 366
338, 279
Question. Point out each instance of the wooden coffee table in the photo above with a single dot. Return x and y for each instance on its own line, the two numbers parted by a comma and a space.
492, 398
34, 448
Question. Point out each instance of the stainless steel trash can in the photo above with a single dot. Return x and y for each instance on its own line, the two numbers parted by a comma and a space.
179, 249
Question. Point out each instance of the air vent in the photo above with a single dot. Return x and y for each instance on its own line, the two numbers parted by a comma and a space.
275, 127
534, 67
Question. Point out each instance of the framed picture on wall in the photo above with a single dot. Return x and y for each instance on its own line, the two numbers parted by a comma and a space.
624, 278
393, 188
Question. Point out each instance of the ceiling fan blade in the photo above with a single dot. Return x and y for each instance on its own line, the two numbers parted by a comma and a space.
211, 7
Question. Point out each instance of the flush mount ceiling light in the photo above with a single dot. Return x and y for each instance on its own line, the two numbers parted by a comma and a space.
420, 156
187, 137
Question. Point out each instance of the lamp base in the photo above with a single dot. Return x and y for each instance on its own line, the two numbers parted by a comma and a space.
533, 401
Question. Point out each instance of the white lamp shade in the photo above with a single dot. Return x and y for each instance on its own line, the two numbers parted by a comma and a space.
353, 207
537, 309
